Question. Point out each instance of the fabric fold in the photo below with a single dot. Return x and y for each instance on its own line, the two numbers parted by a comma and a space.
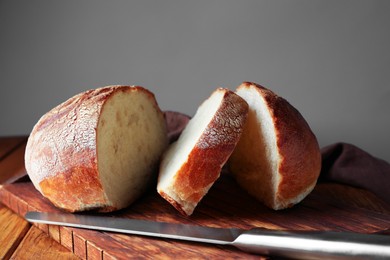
348, 164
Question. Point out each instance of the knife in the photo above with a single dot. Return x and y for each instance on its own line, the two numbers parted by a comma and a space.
290, 244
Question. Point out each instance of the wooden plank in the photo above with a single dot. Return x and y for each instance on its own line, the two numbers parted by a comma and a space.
12, 164
79, 245
12, 230
94, 252
329, 207
39, 245
66, 238
54, 232
331, 192
7, 144
12, 195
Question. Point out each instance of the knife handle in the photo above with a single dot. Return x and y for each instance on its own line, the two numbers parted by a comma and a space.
314, 244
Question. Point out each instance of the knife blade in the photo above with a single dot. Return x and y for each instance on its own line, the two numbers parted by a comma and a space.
290, 244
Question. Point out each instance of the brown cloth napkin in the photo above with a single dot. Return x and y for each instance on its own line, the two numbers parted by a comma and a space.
175, 124
347, 164
341, 162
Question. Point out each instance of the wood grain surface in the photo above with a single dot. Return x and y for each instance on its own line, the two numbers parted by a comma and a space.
12, 158
38, 245
330, 206
12, 230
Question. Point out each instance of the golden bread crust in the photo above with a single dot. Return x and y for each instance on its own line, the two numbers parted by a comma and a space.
204, 163
299, 154
61, 153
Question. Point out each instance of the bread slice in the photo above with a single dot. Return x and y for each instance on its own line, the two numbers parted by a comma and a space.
278, 159
194, 162
98, 150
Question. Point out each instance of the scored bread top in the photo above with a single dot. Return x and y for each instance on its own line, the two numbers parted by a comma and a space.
53, 133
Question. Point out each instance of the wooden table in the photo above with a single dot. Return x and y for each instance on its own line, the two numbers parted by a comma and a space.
329, 207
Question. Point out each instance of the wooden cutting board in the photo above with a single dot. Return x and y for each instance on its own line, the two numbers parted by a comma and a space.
329, 207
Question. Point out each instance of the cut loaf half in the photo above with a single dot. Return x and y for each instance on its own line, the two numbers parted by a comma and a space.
194, 162
278, 159
98, 150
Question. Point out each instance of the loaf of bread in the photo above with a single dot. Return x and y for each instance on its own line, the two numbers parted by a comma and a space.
99, 150
277, 159
194, 162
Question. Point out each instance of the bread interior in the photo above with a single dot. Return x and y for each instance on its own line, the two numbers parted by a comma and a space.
131, 137
178, 152
255, 159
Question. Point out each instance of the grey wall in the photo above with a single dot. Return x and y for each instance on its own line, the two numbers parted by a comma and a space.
330, 59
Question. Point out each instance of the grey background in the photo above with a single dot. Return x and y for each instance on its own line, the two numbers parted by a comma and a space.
330, 59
